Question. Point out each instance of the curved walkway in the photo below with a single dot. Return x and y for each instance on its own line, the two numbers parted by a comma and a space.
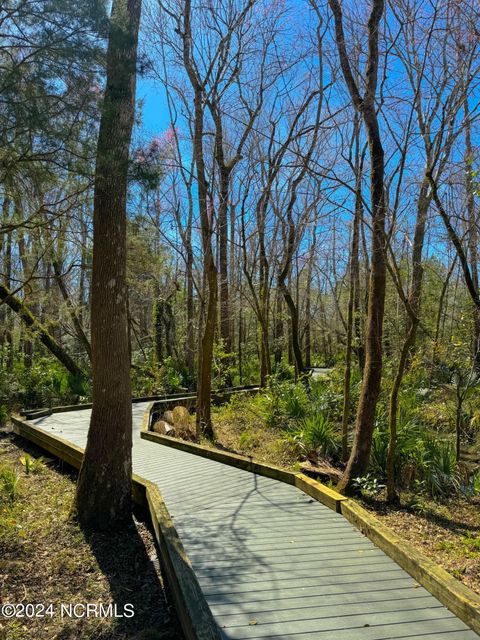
272, 562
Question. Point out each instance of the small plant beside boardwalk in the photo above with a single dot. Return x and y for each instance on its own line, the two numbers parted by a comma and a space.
46, 559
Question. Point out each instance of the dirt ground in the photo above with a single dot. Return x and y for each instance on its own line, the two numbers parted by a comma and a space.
448, 532
46, 558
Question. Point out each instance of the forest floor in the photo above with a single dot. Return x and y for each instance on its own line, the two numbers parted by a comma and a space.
243, 433
447, 531
46, 558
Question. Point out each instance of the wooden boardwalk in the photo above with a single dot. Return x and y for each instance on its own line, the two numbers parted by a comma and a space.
272, 562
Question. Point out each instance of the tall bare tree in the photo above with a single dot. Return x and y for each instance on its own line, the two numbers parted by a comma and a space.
366, 106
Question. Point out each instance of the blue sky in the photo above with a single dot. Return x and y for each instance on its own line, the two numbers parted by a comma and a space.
153, 111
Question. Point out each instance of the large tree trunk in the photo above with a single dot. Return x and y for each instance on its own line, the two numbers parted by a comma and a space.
360, 454
203, 412
103, 497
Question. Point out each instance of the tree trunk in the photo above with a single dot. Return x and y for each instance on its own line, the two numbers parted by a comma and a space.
392, 496
423, 204
294, 328
279, 329
308, 304
223, 258
350, 321
472, 231
204, 390
210, 280
77, 325
360, 455
103, 497
190, 342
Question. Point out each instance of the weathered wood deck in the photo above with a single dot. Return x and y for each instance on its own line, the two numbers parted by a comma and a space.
272, 562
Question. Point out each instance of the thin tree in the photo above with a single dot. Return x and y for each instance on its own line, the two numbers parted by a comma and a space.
365, 105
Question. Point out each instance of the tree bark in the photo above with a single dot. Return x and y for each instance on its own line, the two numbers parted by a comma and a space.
77, 325
472, 227
206, 338
360, 454
224, 297
279, 332
308, 304
103, 497
353, 268
190, 342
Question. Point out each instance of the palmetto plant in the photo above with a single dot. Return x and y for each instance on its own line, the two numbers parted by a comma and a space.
409, 436
32, 465
9, 480
295, 402
439, 467
316, 434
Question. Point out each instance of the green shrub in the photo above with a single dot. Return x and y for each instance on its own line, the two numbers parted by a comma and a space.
9, 481
32, 465
326, 399
45, 383
408, 434
315, 434
471, 541
368, 485
439, 467
223, 366
475, 483
248, 439
282, 371
421, 459
284, 402
378, 456
295, 401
